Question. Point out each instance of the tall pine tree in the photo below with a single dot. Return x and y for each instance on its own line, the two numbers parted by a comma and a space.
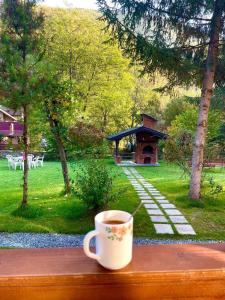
181, 39
20, 54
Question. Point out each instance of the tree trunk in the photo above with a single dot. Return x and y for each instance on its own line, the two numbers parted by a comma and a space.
207, 90
26, 149
62, 154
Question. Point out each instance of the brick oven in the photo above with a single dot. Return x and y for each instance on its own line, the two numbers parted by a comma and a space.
147, 137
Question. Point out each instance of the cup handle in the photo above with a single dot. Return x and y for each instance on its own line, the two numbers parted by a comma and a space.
86, 244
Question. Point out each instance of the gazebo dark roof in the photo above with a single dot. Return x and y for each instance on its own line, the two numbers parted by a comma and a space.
135, 130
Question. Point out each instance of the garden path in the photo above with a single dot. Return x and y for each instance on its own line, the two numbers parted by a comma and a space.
166, 218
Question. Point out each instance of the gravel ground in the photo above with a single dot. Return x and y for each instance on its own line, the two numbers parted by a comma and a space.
41, 240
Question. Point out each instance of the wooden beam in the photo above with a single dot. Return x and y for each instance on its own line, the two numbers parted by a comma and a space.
117, 147
156, 272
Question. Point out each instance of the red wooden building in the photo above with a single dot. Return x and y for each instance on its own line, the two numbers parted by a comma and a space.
10, 130
147, 138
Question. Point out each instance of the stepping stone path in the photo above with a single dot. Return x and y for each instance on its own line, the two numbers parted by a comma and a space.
166, 218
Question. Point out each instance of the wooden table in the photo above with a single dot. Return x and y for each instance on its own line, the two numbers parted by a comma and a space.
156, 272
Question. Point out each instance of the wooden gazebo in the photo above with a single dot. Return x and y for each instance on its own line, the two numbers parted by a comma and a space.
147, 138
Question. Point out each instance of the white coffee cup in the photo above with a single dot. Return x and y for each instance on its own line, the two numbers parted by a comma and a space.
113, 242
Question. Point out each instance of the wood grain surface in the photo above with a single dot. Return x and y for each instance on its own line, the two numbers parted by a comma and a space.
156, 272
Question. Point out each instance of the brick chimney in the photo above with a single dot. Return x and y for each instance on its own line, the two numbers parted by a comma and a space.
149, 121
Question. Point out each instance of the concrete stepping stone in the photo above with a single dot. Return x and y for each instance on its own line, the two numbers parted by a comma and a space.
178, 219
145, 198
163, 228
165, 205
184, 229
158, 219
151, 206
160, 197
147, 201
162, 201
173, 212
142, 193
155, 212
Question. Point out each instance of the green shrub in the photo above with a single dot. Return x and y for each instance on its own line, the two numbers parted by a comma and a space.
93, 184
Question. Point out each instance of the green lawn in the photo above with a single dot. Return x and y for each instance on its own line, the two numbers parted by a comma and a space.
50, 211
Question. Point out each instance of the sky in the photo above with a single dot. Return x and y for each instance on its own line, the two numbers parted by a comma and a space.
71, 3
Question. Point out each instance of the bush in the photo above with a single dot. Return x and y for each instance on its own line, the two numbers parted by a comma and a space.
93, 184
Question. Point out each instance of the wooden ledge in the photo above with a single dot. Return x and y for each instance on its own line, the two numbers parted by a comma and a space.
156, 272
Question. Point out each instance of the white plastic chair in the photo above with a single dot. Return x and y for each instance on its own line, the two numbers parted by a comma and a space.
34, 162
16, 161
40, 161
9, 159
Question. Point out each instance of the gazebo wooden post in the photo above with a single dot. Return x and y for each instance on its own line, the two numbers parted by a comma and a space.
117, 155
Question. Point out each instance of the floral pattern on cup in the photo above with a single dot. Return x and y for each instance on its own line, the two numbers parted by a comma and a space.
117, 233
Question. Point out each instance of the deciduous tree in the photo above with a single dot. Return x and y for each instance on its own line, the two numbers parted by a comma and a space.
20, 53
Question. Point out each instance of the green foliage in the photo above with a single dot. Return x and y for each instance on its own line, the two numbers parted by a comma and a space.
28, 212
179, 146
93, 184
85, 135
144, 99
166, 36
188, 120
20, 52
95, 72
97, 152
174, 108
219, 142
215, 188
